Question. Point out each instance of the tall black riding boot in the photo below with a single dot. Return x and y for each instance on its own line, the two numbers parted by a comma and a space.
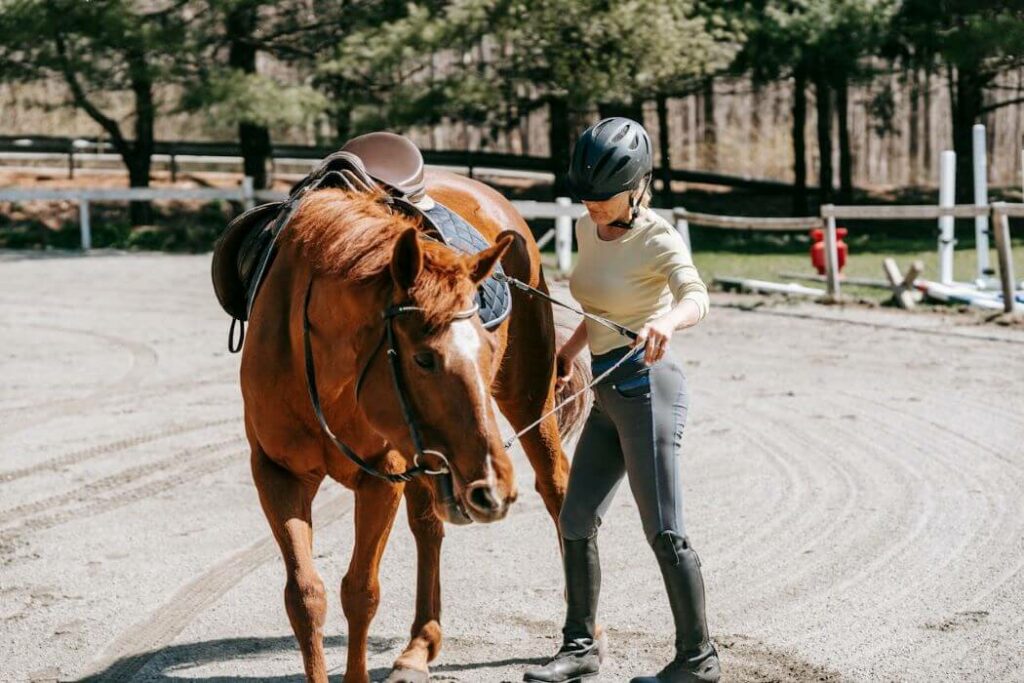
580, 655
696, 659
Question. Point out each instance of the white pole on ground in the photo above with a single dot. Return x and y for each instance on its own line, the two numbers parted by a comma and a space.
563, 238
947, 192
981, 199
83, 224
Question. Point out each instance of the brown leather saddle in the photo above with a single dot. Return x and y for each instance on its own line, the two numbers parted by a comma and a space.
244, 252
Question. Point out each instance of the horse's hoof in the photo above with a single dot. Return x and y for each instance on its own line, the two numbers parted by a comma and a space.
408, 676
602, 646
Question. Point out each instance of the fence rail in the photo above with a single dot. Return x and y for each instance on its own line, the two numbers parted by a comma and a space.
470, 162
563, 211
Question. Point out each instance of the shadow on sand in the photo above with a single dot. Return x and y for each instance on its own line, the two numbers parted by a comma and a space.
172, 663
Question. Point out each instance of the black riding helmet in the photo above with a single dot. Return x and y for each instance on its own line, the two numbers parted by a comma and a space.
612, 156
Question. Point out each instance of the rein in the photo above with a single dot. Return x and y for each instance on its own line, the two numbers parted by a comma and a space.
388, 315
394, 362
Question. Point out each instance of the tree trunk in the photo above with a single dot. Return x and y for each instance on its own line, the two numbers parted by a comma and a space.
823, 106
140, 156
342, 123
914, 143
709, 144
631, 110
845, 155
799, 141
665, 150
926, 133
967, 98
558, 141
253, 138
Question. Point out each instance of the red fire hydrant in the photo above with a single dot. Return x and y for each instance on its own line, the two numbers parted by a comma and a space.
818, 249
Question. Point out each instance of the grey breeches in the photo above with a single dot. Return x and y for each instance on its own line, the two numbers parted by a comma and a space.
635, 429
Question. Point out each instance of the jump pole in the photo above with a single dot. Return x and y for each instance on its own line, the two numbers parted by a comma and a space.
981, 225
947, 191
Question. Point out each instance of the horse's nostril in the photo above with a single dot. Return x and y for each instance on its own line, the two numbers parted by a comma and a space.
482, 498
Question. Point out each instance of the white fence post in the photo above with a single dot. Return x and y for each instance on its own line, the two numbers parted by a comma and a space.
83, 224
831, 255
947, 239
248, 197
981, 231
683, 226
563, 238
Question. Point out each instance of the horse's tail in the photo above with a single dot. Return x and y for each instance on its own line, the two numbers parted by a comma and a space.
574, 413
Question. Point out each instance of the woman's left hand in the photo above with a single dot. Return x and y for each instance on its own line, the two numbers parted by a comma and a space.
657, 334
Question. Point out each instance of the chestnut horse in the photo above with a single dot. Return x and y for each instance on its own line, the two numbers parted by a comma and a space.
343, 261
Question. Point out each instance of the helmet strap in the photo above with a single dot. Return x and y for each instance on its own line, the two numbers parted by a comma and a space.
634, 205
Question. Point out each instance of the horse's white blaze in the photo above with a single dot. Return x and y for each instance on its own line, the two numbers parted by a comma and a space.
466, 342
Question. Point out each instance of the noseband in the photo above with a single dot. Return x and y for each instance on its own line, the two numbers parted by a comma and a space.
388, 315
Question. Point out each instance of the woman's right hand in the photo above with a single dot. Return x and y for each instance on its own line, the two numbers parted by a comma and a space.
563, 369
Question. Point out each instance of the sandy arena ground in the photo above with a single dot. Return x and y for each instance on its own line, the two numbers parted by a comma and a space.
853, 481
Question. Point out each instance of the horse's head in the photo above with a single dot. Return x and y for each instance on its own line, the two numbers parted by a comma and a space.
387, 290
447, 363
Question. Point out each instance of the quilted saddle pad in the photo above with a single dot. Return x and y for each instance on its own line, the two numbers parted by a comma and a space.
492, 296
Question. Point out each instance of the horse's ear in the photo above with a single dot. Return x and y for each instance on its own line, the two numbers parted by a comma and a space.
407, 259
482, 263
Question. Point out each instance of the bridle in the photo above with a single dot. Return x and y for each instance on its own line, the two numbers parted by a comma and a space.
388, 315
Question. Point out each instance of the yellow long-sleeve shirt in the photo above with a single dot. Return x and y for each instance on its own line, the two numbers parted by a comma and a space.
633, 279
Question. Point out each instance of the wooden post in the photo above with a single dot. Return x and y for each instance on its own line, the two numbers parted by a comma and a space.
903, 291
1002, 229
83, 224
563, 238
683, 226
248, 198
831, 254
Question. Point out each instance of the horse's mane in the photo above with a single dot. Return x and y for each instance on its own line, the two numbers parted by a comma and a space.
351, 235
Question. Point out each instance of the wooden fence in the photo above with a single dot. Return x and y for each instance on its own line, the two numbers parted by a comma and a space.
563, 211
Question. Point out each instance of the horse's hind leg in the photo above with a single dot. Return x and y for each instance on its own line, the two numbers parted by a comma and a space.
376, 506
411, 665
287, 502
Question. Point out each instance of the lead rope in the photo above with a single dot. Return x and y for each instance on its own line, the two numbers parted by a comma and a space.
519, 284
597, 380
621, 329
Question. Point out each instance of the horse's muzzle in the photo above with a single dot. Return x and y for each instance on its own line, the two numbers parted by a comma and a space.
447, 501
484, 501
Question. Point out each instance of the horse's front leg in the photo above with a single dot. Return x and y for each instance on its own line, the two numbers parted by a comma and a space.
425, 644
287, 503
375, 508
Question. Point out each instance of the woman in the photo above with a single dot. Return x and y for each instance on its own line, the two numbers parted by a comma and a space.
635, 270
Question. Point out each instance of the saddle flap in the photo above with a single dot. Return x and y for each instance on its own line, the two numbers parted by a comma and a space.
234, 257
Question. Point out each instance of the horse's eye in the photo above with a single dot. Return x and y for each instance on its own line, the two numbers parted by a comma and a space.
425, 360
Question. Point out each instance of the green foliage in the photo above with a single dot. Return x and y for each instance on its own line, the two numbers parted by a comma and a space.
823, 36
592, 51
230, 97
986, 34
